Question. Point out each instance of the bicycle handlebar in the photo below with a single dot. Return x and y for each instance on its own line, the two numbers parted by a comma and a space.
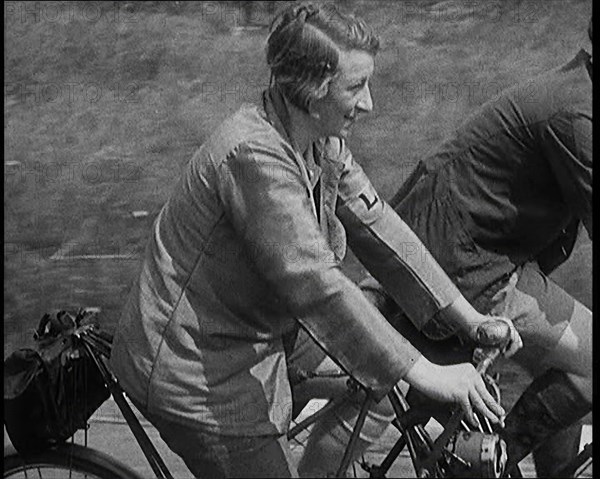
484, 357
492, 337
494, 332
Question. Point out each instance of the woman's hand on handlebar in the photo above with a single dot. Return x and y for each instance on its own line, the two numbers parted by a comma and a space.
468, 320
497, 331
458, 383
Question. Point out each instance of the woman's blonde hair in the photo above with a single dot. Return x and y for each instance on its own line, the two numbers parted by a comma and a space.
304, 45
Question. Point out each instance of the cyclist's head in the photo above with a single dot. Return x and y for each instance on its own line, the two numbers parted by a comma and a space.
304, 46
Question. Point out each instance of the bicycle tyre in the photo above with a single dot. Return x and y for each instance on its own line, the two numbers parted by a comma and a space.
67, 460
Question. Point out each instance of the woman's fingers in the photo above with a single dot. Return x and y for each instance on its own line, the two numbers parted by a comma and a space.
487, 335
515, 342
463, 385
465, 404
489, 400
482, 407
479, 398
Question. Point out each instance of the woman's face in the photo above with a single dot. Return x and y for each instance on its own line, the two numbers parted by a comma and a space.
347, 96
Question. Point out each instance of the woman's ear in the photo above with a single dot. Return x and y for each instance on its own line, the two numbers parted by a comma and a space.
323, 89
319, 94
313, 108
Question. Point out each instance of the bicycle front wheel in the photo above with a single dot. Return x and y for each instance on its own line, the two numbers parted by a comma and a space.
65, 462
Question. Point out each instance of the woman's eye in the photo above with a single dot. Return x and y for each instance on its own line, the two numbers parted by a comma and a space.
358, 86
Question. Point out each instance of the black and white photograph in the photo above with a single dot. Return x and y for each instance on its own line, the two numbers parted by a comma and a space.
317, 238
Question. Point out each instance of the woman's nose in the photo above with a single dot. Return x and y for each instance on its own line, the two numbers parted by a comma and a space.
365, 102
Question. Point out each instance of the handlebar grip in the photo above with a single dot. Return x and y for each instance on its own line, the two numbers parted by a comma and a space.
492, 337
493, 333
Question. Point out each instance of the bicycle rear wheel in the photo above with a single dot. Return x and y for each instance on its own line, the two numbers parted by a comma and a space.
65, 462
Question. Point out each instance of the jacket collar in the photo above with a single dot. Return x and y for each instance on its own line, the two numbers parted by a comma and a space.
277, 112
278, 115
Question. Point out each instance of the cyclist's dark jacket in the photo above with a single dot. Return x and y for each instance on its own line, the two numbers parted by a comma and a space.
238, 256
511, 185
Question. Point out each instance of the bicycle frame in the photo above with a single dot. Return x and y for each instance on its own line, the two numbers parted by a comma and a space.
424, 452
430, 458
99, 348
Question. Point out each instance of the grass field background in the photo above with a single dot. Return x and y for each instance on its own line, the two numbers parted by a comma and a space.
105, 102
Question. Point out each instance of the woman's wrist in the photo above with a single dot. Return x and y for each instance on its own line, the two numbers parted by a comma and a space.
420, 372
463, 316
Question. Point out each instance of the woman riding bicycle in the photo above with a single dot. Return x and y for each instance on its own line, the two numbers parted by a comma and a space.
248, 247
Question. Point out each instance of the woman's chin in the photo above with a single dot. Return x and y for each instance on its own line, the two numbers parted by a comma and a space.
345, 131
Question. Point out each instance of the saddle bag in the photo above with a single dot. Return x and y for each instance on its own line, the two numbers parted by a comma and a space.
51, 390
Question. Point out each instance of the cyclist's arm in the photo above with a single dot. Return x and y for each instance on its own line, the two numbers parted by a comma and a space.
267, 202
395, 255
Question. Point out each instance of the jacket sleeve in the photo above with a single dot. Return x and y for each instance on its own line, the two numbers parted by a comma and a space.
567, 143
390, 250
267, 202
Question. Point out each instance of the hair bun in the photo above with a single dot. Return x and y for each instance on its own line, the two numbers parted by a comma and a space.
304, 12
298, 13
